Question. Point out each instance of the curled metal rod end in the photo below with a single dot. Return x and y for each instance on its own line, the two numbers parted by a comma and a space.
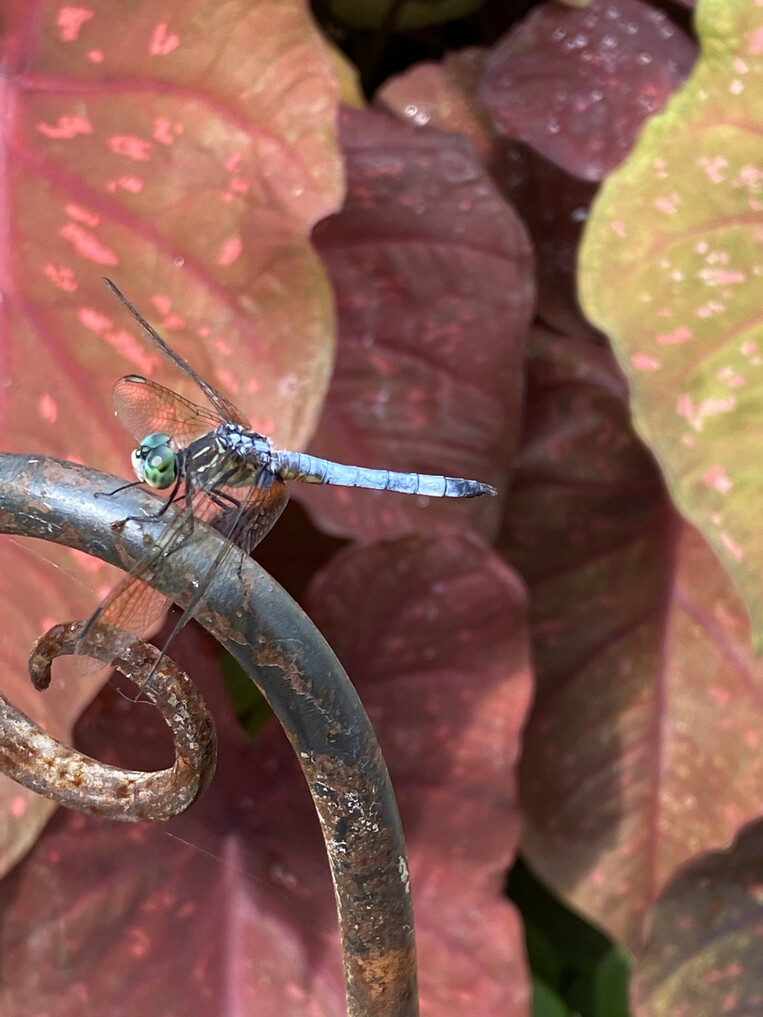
41, 763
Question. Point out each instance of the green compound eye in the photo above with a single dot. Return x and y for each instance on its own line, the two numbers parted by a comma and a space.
155, 462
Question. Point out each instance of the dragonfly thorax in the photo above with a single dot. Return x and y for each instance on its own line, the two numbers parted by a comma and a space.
231, 456
249, 446
155, 461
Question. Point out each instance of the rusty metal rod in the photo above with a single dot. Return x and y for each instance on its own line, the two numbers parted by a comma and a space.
283, 652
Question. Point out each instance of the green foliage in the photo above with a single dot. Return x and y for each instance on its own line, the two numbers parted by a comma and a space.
576, 970
251, 707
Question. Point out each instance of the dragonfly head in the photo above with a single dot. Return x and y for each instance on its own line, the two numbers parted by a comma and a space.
155, 462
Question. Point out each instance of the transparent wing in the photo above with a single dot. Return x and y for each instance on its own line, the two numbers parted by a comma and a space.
136, 607
259, 507
145, 408
224, 407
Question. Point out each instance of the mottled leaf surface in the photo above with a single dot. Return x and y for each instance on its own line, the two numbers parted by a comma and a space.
605, 69
551, 202
703, 953
186, 152
229, 909
650, 698
681, 223
443, 95
433, 282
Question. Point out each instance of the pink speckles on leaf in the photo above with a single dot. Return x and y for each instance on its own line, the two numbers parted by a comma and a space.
48, 409
82, 215
231, 250
716, 169
697, 414
710, 309
668, 204
171, 320
132, 147
691, 196
70, 20
166, 131
133, 185
95, 56
228, 380
755, 42
678, 335
87, 245
645, 362
94, 321
61, 276
131, 348
724, 277
729, 377
717, 478
174, 322
750, 176
17, 806
66, 127
736, 552
238, 185
718, 695
162, 41
162, 303
750, 349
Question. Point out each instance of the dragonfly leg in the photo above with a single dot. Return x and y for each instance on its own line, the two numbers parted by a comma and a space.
223, 500
188, 517
174, 496
124, 487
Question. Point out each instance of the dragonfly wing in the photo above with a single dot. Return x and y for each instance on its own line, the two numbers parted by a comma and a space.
224, 407
133, 606
136, 607
258, 508
244, 523
145, 407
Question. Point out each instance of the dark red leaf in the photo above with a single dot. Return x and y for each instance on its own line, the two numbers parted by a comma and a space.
703, 953
576, 83
552, 203
434, 290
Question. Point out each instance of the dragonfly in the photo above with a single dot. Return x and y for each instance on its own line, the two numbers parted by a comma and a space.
216, 469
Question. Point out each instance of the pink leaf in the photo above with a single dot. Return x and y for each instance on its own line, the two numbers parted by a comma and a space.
187, 152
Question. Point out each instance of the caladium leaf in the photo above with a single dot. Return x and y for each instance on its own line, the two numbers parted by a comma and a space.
680, 222
607, 67
649, 693
187, 153
433, 281
702, 953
